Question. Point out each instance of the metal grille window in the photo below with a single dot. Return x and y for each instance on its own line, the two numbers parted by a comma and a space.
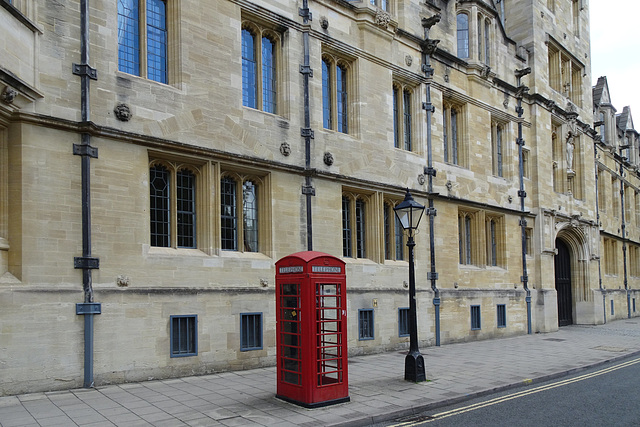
259, 62
133, 53
172, 216
501, 314
403, 322
475, 317
184, 333
236, 192
250, 331
365, 324
335, 94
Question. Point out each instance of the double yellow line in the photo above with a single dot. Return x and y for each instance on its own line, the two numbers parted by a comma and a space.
517, 395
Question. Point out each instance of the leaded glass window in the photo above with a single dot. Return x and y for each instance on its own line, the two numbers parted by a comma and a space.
463, 35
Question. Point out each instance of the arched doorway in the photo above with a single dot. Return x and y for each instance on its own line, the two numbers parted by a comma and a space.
563, 284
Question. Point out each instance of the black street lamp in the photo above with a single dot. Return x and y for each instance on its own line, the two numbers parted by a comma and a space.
409, 213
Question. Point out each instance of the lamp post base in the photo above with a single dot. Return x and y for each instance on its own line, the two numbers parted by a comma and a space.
414, 367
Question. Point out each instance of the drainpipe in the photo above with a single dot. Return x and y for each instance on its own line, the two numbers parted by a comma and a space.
428, 48
521, 193
595, 161
306, 132
86, 262
623, 228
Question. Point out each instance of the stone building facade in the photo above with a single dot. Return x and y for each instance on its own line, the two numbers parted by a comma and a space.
221, 136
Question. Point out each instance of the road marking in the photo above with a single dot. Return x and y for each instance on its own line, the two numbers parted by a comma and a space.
517, 395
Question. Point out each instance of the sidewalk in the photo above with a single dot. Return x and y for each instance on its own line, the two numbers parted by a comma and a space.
456, 372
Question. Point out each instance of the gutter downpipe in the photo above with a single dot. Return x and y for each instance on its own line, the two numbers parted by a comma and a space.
595, 161
428, 48
521, 90
624, 232
86, 262
306, 132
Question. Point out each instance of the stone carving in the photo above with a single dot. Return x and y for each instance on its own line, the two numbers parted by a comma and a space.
430, 46
264, 283
285, 149
328, 158
421, 179
550, 105
324, 22
570, 148
122, 112
505, 103
408, 60
8, 95
123, 281
446, 74
382, 18
485, 72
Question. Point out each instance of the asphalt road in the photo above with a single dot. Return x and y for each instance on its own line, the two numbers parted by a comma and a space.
605, 396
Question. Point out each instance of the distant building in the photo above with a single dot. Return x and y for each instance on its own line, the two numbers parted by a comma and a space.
207, 162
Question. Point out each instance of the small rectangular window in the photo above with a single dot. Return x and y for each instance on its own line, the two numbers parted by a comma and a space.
250, 331
475, 317
403, 322
365, 324
634, 305
502, 315
184, 333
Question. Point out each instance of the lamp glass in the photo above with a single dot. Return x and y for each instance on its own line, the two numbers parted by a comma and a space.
409, 212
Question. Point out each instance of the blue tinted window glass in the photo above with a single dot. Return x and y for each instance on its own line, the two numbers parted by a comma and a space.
128, 37
326, 95
248, 70
342, 98
463, 35
157, 40
268, 76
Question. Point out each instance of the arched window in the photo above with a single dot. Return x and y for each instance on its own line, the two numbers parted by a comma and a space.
259, 69
335, 95
463, 35
143, 54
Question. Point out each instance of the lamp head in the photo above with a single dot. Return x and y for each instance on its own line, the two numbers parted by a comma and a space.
409, 212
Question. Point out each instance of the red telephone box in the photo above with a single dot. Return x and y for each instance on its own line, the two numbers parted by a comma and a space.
311, 340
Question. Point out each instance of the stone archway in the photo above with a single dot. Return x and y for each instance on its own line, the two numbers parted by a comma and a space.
572, 273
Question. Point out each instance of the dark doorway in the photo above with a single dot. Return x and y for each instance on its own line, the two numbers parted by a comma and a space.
563, 284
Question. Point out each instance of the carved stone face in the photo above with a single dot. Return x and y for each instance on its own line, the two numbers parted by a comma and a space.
122, 112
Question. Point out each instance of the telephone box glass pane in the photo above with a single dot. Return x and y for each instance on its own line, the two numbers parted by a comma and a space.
290, 351
329, 333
